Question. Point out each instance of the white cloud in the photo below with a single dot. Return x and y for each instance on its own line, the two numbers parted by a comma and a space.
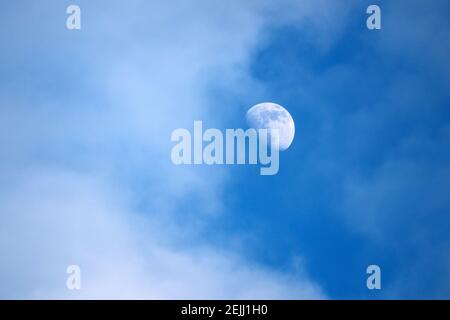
51, 220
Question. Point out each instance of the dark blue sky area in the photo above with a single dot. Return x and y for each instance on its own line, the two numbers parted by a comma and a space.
367, 177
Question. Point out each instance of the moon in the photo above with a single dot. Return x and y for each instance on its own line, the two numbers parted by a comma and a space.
270, 115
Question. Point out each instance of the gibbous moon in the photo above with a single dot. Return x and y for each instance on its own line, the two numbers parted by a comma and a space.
270, 115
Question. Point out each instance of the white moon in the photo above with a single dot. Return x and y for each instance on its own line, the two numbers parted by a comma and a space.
270, 115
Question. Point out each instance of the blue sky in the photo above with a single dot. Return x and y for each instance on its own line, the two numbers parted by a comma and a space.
86, 176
